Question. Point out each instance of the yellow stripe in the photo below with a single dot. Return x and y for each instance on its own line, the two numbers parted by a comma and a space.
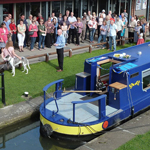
70, 130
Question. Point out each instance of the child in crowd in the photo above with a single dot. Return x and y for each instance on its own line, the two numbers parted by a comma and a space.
64, 31
103, 34
12, 27
141, 39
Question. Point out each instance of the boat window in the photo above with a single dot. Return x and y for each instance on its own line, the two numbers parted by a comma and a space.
134, 75
146, 79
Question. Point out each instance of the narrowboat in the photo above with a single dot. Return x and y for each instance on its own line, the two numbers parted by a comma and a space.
111, 88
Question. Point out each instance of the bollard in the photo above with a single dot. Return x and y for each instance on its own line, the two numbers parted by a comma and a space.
3, 88
107, 45
90, 48
122, 41
70, 53
47, 57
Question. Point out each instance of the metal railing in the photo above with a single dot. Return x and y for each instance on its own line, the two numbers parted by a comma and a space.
101, 105
73, 49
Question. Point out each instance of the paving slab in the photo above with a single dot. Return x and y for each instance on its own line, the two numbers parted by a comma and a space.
12, 114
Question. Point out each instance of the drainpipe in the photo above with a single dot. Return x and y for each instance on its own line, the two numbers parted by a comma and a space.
147, 10
129, 10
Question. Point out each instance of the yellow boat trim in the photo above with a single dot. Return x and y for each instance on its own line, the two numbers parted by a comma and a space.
71, 130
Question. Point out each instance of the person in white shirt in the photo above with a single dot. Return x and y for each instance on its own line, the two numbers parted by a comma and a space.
53, 16
141, 37
119, 25
112, 34
100, 22
72, 20
29, 20
110, 14
103, 12
92, 27
88, 18
103, 34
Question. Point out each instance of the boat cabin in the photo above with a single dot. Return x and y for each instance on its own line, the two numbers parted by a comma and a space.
127, 79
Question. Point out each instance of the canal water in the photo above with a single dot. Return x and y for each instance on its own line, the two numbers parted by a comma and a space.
28, 138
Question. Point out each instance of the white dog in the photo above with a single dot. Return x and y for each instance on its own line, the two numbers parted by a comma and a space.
16, 61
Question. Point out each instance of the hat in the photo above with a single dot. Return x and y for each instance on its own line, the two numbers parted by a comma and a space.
103, 10
112, 19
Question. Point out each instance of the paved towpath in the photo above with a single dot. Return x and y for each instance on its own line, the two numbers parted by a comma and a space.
121, 134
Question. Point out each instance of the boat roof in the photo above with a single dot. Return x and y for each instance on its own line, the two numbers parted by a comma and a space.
137, 59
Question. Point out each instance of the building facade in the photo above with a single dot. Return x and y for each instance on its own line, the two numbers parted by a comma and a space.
17, 7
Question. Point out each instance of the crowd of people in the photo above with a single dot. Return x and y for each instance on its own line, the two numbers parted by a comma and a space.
35, 29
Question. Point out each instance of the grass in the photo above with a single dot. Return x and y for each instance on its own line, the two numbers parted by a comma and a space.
42, 74
140, 142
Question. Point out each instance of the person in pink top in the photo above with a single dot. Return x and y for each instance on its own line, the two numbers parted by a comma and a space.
3, 35
33, 28
9, 51
78, 25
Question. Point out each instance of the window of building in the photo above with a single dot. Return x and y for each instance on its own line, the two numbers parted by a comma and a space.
146, 79
76, 8
35, 8
19, 10
69, 5
44, 10
56, 8
7, 9
85, 6
94, 6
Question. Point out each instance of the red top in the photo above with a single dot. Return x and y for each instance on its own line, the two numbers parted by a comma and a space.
38, 19
31, 27
12, 27
3, 35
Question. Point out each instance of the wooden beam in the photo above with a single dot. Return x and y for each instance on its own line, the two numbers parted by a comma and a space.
108, 60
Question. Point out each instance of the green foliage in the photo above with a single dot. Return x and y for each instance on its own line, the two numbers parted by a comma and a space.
141, 17
43, 73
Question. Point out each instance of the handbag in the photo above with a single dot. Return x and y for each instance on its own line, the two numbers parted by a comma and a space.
31, 32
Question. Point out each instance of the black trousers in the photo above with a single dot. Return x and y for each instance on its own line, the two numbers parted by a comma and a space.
77, 38
71, 33
131, 34
118, 37
99, 26
60, 56
87, 30
49, 37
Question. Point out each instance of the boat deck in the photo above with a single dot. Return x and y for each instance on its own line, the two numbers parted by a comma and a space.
86, 112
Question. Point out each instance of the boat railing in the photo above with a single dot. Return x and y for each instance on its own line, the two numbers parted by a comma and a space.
101, 104
58, 91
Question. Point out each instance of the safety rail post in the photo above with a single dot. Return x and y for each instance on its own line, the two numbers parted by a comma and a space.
44, 98
122, 41
47, 57
70, 53
73, 112
90, 48
4, 140
3, 88
107, 45
102, 105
